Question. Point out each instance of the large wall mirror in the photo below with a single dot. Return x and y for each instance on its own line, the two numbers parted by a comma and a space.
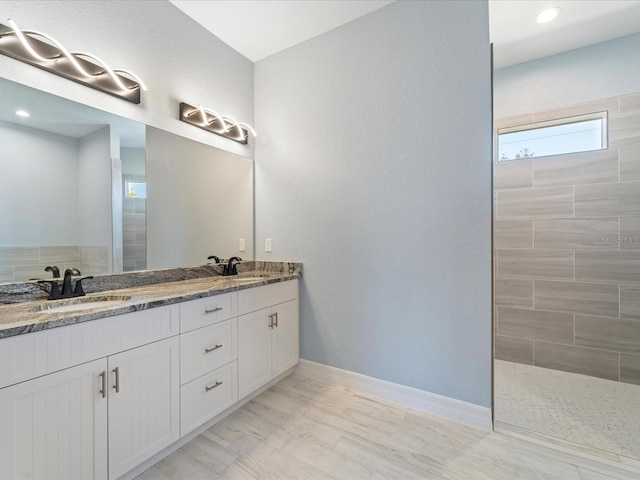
85, 188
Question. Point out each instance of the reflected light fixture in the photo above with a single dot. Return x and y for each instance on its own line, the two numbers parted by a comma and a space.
549, 14
22, 113
43, 51
213, 122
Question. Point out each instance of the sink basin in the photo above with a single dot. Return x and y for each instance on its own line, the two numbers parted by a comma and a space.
249, 279
80, 304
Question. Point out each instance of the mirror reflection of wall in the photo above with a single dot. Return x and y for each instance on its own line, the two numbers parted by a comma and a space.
55, 199
200, 201
72, 182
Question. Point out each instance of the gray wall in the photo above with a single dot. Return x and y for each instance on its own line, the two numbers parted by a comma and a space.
604, 70
176, 57
374, 170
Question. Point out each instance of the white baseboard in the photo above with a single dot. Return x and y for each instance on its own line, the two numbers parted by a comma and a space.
439, 405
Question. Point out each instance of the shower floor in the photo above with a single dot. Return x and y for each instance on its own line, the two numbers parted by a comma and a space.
588, 411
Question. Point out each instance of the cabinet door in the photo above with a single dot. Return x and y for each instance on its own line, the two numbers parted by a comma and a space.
55, 426
285, 343
254, 351
144, 410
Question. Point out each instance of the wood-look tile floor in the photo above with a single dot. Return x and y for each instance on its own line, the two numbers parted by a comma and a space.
305, 429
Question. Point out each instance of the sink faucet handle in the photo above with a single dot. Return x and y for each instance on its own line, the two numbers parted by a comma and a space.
79, 291
54, 294
214, 258
54, 270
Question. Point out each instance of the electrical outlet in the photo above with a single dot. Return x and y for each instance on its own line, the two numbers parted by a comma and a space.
242, 246
267, 245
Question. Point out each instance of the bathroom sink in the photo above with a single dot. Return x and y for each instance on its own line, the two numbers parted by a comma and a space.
80, 304
249, 279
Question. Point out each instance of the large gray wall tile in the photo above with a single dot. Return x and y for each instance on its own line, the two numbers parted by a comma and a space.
542, 264
586, 361
513, 174
512, 349
61, 254
6, 274
536, 325
608, 199
630, 369
606, 333
536, 202
513, 234
630, 301
10, 256
514, 121
576, 169
576, 233
587, 298
629, 233
513, 292
630, 103
608, 266
624, 129
605, 105
629, 164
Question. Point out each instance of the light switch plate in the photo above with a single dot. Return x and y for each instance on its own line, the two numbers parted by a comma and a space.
267, 245
242, 246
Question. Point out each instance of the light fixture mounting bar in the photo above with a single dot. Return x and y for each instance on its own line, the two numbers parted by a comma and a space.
11, 46
199, 117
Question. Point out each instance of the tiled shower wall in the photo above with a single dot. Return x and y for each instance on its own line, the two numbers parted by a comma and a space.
567, 251
19, 264
134, 230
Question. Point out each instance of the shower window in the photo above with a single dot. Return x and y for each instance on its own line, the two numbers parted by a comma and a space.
581, 133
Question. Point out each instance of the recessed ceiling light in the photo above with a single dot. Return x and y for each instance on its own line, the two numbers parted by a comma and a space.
548, 14
22, 113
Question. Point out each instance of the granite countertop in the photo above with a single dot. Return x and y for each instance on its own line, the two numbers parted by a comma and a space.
27, 317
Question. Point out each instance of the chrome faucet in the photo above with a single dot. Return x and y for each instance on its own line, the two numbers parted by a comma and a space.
230, 268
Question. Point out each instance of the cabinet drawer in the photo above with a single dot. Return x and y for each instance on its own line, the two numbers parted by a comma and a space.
252, 299
207, 396
31, 355
206, 311
207, 348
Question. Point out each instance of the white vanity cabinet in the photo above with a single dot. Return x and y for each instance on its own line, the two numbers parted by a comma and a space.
268, 334
103, 398
91, 400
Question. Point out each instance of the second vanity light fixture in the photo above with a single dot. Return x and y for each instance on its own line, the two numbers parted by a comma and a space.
213, 122
43, 51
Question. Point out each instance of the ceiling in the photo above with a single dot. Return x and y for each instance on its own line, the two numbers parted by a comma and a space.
261, 28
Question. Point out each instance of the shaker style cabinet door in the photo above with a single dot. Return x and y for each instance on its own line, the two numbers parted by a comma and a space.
144, 408
285, 338
254, 351
55, 426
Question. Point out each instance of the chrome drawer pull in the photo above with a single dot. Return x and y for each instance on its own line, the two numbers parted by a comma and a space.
116, 385
217, 384
211, 349
103, 376
217, 309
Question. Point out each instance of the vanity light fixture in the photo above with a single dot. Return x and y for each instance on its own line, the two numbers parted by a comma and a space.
213, 122
43, 51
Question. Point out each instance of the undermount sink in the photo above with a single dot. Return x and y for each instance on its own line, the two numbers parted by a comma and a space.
80, 303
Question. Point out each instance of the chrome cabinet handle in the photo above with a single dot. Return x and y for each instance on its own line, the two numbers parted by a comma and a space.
103, 376
276, 317
211, 349
211, 387
217, 309
116, 385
